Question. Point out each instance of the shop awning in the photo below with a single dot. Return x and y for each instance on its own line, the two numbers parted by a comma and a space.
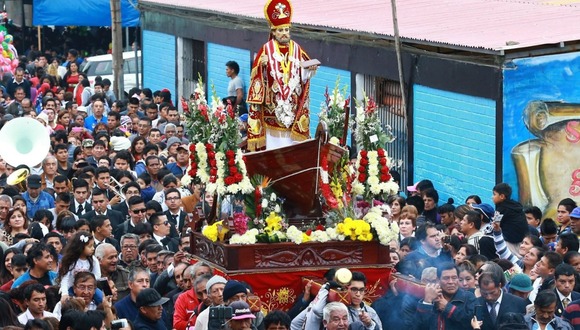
82, 13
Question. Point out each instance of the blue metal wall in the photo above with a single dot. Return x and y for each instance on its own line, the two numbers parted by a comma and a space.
454, 143
159, 68
217, 57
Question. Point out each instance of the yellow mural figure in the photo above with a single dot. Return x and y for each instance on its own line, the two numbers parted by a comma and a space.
547, 168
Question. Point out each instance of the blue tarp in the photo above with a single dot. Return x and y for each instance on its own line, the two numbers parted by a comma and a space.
82, 13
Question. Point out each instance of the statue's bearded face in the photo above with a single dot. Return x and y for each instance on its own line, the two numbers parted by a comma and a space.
282, 35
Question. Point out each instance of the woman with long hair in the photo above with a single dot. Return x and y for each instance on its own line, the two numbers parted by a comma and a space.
63, 120
137, 147
16, 223
71, 78
6, 264
396, 203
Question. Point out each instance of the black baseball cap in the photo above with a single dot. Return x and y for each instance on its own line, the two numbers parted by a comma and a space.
150, 297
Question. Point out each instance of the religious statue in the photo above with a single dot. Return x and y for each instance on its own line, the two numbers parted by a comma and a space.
279, 85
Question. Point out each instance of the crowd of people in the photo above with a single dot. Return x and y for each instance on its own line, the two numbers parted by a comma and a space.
97, 235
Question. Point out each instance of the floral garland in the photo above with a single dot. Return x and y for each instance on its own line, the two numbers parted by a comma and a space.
372, 176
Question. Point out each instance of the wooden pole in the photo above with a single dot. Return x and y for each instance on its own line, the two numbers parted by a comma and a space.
39, 38
399, 60
117, 50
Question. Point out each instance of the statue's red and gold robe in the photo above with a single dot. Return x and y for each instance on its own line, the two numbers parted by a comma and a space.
278, 95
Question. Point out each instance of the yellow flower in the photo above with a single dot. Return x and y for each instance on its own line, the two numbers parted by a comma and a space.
305, 238
274, 222
210, 232
215, 231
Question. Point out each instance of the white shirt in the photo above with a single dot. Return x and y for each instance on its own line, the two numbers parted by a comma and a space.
24, 317
498, 301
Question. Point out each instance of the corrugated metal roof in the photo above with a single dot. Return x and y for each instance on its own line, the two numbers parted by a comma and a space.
485, 24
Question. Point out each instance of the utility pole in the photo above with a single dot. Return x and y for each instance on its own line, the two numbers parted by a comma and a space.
117, 37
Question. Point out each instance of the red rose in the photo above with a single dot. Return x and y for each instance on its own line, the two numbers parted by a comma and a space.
238, 176
362, 169
309, 232
230, 153
192, 173
192, 147
194, 165
229, 180
213, 172
362, 177
381, 152
320, 227
208, 146
384, 178
233, 170
212, 163
211, 154
363, 153
384, 170
231, 162
383, 161
364, 161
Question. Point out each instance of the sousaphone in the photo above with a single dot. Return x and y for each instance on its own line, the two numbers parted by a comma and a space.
24, 141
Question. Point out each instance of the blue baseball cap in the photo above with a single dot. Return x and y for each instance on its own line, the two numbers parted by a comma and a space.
575, 213
486, 209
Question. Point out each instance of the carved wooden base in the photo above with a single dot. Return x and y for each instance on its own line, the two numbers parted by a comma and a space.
289, 255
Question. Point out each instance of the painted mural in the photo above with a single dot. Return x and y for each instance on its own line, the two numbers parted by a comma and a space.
541, 149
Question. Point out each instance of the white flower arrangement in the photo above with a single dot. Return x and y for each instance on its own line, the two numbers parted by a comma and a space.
294, 235
249, 237
387, 231
202, 172
319, 236
334, 235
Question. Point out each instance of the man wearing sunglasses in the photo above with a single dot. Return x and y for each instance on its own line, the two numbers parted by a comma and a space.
161, 230
137, 211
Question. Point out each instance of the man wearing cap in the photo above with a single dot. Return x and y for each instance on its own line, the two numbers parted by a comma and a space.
279, 86
521, 286
179, 168
150, 302
215, 289
35, 198
242, 316
575, 221
234, 292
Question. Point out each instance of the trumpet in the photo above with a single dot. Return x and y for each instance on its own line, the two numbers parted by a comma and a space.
117, 188
18, 179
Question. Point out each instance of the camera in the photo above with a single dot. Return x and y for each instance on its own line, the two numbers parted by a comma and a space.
446, 239
218, 316
118, 324
220, 313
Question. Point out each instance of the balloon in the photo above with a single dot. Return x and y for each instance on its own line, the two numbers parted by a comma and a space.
5, 55
9, 38
14, 63
6, 68
1, 37
5, 45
